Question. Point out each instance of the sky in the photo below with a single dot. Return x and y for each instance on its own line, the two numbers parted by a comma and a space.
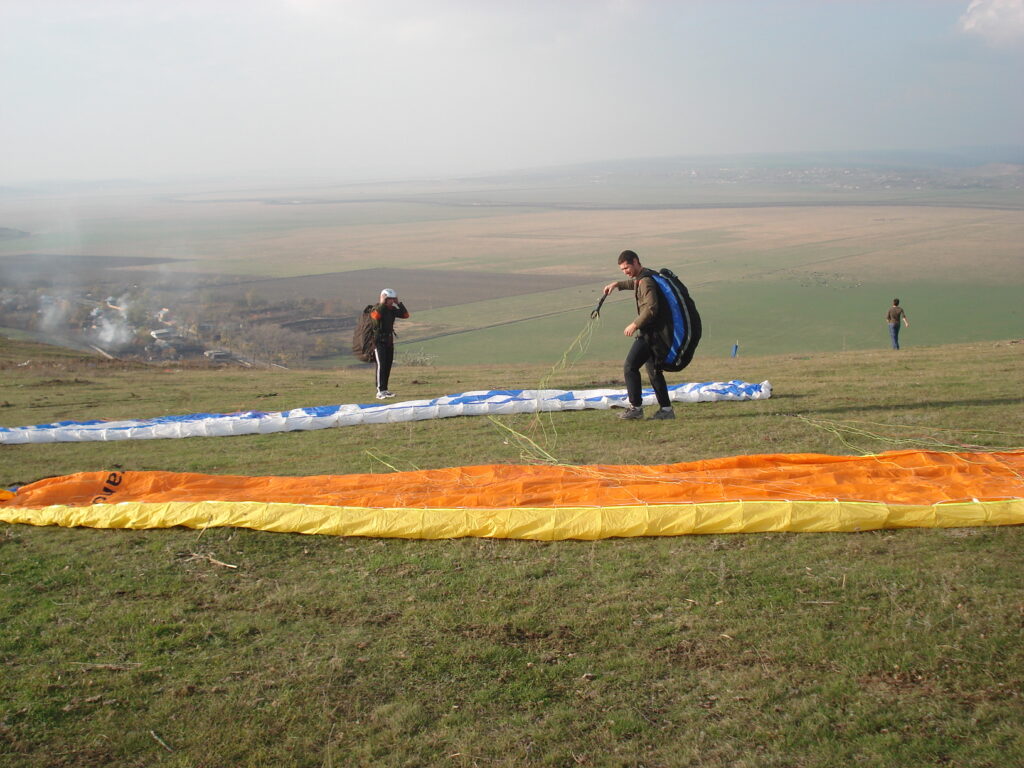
385, 89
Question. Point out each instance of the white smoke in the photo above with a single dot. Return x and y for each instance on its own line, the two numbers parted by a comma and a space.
998, 22
53, 314
112, 332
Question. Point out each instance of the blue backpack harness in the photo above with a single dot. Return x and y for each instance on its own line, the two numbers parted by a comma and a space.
675, 341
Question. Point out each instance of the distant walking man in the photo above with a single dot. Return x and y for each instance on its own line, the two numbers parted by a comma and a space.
383, 317
641, 354
893, 317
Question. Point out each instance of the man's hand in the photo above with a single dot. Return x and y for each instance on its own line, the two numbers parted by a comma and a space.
630, 329
609, 288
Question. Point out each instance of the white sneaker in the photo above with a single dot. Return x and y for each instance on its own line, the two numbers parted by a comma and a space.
383, 395
388, 393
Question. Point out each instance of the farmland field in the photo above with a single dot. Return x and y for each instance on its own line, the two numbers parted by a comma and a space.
506, 271
433, 287
762, 318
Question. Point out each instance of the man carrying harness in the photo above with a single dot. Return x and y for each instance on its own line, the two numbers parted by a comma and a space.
665, 332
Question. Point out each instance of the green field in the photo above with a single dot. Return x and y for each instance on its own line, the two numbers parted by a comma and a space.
145, 648
763, 317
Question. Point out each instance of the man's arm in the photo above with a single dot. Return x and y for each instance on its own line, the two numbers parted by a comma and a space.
647, 299
619, 285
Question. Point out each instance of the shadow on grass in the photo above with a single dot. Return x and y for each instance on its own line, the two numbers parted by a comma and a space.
930, 404
976, 402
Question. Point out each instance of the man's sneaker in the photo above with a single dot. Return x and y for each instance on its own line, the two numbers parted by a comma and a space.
388, 393
632, 413
664, 413
383, 395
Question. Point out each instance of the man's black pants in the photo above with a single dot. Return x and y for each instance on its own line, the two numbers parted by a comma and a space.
385, 354
641, 355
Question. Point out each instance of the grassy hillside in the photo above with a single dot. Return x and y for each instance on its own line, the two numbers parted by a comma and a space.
231, 647
951, 394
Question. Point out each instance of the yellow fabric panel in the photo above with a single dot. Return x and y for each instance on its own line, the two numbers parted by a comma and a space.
529, 523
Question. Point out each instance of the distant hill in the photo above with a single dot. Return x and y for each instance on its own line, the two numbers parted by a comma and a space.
966, 157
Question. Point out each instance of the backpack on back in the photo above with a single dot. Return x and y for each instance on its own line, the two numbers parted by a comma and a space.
676, 339
362, 336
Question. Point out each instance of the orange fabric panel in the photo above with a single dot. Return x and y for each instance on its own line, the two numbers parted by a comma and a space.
899, 477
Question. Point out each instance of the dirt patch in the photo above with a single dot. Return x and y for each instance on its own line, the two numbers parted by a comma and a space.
421, 288
60, 382
63, 269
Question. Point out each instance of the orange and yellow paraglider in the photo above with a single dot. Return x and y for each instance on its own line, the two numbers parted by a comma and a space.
743, 494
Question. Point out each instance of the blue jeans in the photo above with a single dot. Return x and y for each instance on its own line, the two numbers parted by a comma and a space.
894, 334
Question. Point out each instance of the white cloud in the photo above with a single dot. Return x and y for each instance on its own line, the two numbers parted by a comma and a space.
1000, 22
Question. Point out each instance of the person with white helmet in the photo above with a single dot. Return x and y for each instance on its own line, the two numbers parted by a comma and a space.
383, 317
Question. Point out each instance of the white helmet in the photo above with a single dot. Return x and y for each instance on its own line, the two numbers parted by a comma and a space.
388, 293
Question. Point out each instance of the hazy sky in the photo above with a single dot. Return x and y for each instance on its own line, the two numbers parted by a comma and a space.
391, 88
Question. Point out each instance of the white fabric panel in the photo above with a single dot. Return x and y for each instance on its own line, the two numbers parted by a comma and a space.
484, 402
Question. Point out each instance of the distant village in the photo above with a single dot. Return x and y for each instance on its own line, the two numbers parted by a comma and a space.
247, 331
